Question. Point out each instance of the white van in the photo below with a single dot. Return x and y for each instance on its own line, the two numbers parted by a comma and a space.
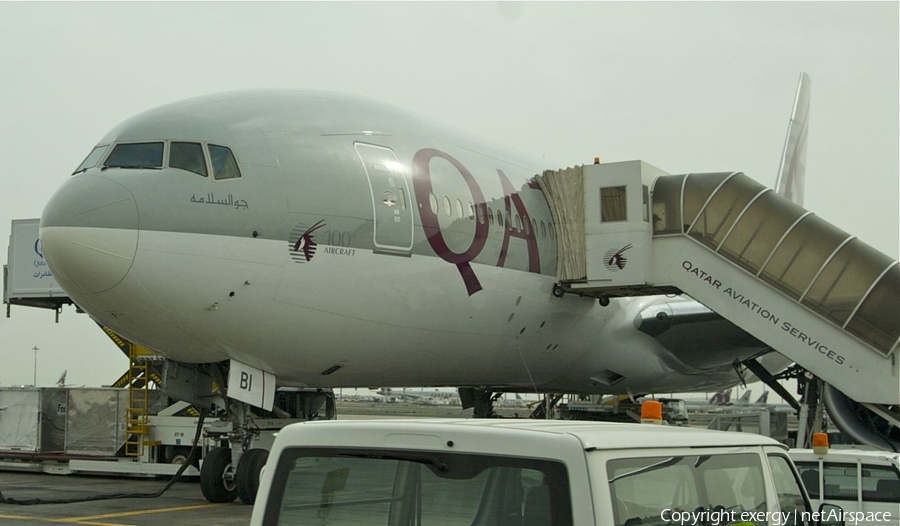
477, 472
856, 480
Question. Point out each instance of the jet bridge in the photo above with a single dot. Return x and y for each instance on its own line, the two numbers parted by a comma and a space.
817, 295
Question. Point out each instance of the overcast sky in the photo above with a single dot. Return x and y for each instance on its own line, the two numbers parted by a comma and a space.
688, 87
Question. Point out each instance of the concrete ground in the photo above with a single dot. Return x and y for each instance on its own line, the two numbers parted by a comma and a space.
183, 504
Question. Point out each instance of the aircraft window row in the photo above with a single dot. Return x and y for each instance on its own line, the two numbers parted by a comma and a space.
487, 214
182, 155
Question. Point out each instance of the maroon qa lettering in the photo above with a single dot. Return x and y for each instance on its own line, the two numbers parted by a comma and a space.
423, 188
513, 199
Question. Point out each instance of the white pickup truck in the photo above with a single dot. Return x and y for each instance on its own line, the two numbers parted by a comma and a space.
527, 473
864, 483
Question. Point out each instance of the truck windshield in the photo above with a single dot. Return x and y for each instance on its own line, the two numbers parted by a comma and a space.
412, 488
658, 490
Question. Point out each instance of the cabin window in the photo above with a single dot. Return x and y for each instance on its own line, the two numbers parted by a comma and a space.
543, 230
612, 204
471, 210
187, 156
490, 216
224, 164
448, 210
92, 159
500, 219
136, 155
432, 200
459, 209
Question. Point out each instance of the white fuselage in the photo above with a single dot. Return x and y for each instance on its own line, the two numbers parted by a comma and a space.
205, 270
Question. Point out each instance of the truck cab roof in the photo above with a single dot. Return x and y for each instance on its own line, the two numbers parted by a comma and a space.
591, 435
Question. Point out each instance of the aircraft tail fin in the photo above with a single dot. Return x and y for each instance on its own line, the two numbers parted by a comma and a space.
721, 398
763, 398
792, 171
745, 398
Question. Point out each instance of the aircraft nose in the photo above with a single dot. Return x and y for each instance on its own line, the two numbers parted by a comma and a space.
89, 234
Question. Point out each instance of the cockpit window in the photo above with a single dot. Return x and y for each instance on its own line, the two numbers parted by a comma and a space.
92, 159
187, 156
224, 164
136, 155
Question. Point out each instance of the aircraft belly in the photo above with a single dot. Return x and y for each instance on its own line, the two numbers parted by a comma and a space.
425, 329
423, 321
249, 301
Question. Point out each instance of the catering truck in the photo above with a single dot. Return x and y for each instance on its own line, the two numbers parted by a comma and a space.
478, 472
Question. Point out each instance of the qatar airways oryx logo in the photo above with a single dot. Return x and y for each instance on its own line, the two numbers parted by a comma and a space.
615, 260
301, 244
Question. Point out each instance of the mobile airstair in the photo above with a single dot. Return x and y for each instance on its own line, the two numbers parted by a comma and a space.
819, 296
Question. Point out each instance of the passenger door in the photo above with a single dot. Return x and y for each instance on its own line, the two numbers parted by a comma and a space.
391, 205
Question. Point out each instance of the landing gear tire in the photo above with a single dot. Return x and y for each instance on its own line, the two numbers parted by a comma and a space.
558, 291
248, 471
214, 483
603, 300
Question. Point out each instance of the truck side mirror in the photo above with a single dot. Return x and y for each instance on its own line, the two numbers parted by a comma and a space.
830, 515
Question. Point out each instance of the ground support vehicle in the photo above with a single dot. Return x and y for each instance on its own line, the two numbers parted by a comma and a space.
499, 472
860, 481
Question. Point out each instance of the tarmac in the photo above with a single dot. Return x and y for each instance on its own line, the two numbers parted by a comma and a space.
182, 504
